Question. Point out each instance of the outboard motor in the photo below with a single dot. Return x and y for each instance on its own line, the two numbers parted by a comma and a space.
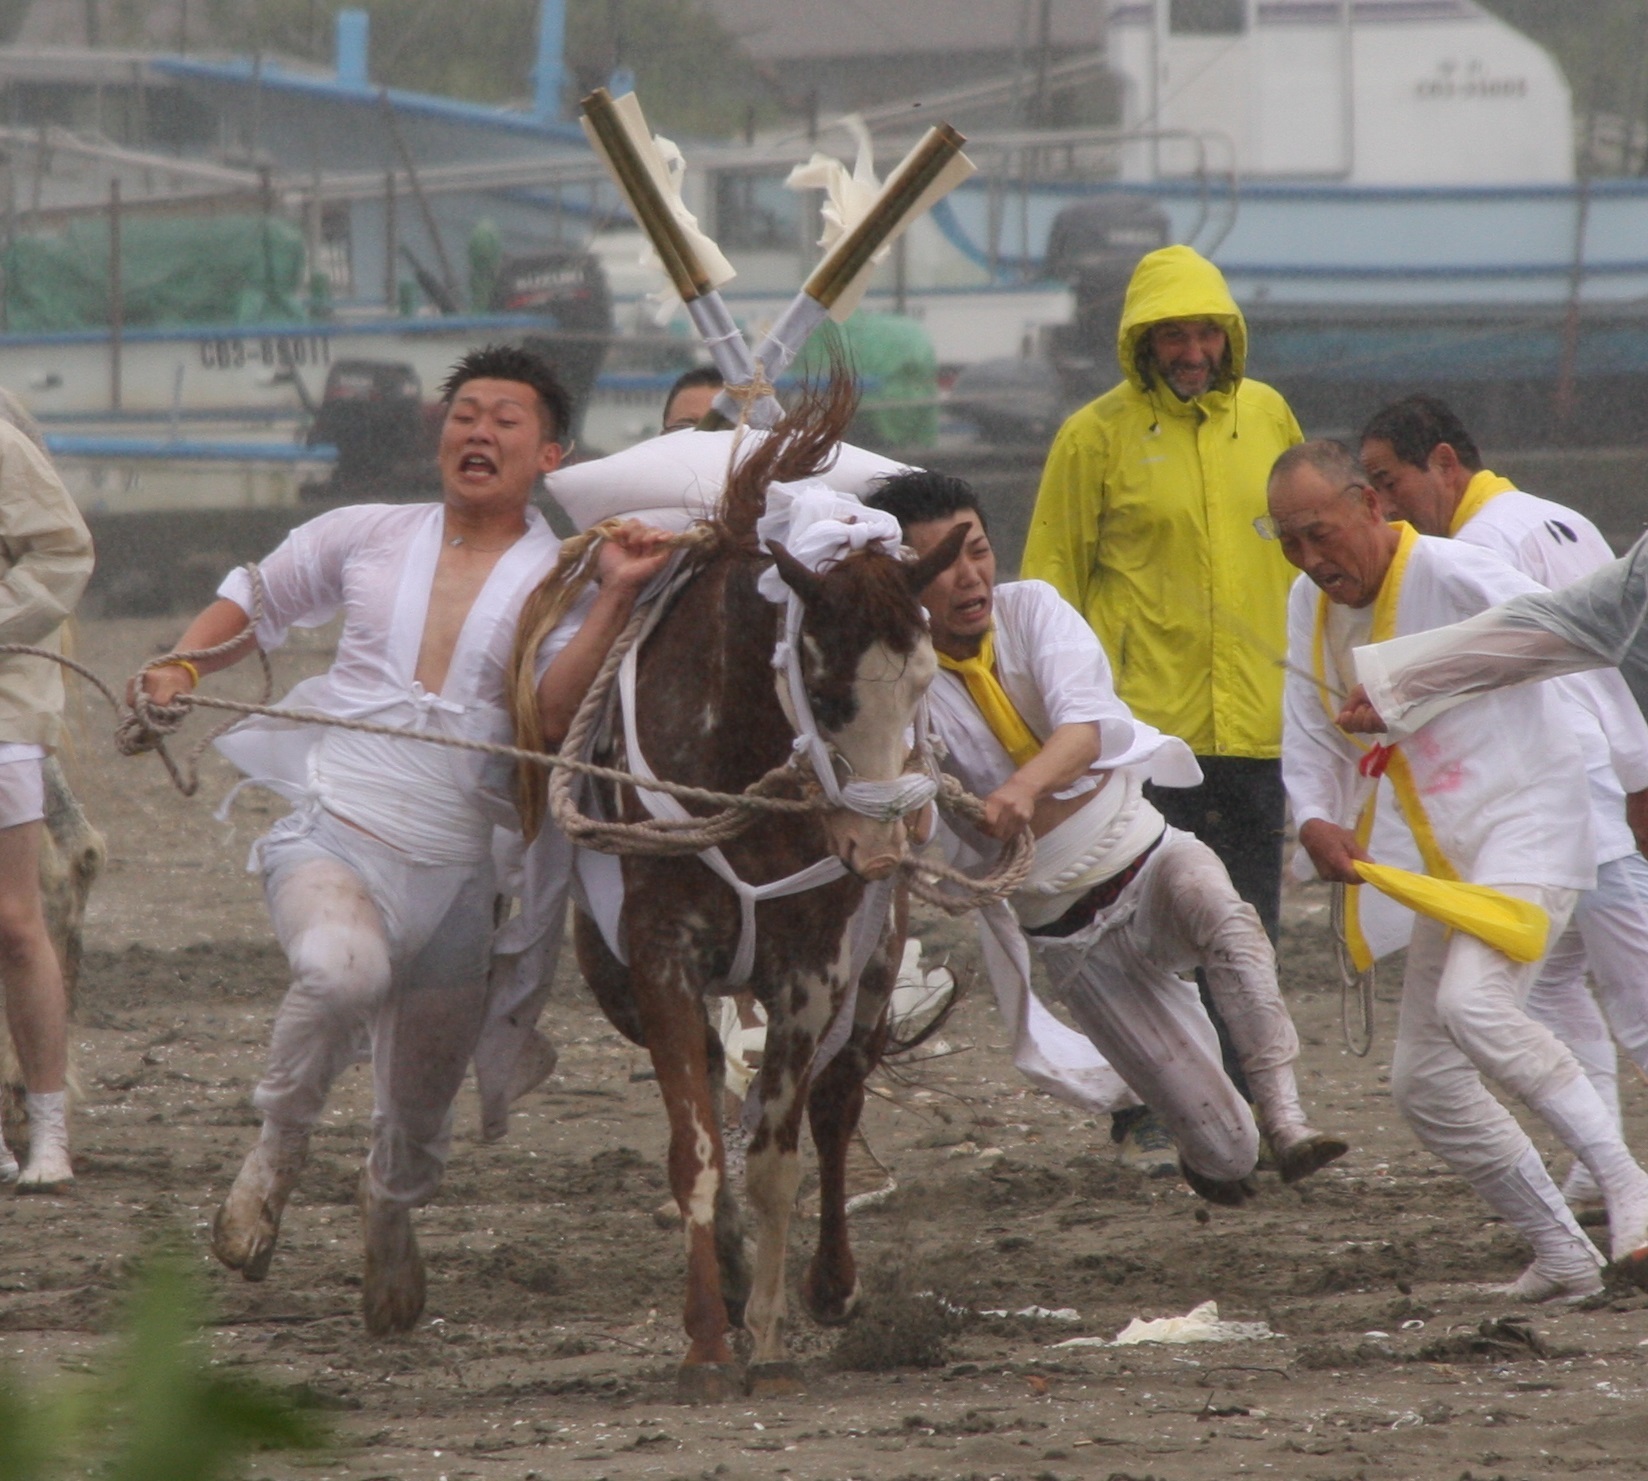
372, 412
569, 290
1094, 246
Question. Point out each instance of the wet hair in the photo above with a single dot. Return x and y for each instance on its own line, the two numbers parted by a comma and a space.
512, 363
1328, 456
1417, 425
919, 495
699, 375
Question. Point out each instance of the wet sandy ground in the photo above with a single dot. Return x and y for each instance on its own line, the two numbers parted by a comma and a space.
551, 1339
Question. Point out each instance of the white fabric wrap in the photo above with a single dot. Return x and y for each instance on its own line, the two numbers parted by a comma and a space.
819, 525
672, 481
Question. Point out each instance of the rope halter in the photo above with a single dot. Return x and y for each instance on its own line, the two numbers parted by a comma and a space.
820, 527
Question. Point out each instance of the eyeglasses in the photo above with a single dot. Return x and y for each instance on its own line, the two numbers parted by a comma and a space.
1265, 525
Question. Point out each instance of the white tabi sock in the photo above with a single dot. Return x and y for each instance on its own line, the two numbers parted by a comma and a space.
1579, 1116
1564, 1259
48, 1165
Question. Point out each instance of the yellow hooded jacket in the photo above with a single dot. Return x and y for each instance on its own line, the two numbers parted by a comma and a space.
1144, 522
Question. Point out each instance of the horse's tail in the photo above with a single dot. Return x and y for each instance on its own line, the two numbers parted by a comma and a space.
542, 612
803, 444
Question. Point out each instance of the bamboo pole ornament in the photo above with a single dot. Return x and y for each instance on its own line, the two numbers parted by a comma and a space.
611, 136
924, 176
617, 131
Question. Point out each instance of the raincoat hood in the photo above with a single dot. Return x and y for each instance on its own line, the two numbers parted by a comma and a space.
1177, 283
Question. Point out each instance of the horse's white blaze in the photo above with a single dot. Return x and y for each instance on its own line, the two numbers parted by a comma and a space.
888, 685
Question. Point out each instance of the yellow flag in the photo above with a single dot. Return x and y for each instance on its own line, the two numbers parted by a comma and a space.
1519, 928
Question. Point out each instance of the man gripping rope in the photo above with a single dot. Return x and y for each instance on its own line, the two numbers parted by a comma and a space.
1119, 903
380, 882
1493, 794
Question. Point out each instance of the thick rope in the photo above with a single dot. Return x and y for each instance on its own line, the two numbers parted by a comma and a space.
144, 726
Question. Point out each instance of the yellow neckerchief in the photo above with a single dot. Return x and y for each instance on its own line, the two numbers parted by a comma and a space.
1396, 765
984, 688
1482, 487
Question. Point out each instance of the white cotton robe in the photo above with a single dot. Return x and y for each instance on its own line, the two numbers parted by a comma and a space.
443, 809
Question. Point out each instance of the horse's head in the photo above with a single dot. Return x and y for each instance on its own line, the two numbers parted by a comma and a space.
865, 662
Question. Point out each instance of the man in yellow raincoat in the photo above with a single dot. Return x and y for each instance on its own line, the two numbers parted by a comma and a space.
1144, 522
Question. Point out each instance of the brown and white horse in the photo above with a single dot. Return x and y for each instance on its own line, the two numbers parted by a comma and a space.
708, 712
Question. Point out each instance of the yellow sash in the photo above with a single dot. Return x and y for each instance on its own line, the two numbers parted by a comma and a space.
1511, 925
1482, 487
1005, 722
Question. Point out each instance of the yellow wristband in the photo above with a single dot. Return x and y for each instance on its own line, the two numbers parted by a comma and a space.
186, 666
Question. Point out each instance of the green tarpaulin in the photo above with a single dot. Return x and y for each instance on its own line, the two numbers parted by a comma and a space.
178, 270
894, 357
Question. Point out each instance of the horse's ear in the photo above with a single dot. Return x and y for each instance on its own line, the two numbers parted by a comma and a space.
937, 560
804, 583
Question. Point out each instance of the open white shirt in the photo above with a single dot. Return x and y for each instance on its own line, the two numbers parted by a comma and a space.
376, 565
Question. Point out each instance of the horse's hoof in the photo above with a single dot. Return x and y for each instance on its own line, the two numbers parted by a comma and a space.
833, 1308
708, 1383
780, 1380
394, 1287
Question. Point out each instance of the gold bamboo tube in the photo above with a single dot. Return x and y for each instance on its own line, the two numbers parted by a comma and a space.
686, 273
914, 175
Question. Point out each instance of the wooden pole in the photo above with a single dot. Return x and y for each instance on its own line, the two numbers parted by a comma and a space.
117, 295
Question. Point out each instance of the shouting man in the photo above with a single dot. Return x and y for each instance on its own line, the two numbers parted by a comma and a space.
380, 881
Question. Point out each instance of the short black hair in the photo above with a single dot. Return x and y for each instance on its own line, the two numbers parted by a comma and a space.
1417, 425
512, 363
699, 375
918, 495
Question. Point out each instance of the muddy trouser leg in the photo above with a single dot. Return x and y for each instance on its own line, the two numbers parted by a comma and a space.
1197, 916
336, 945
1239, 812
1462, 1018
1613, 922
1562, 1000
1150, 1025
423, 1038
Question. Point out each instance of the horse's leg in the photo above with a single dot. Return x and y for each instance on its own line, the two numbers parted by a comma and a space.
672, 1022
607, 977
806, 1006
729, 1213
830, 1289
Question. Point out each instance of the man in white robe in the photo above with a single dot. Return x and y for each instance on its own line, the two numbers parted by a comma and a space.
1428, 471
1494, 794
1119, 903
380, 882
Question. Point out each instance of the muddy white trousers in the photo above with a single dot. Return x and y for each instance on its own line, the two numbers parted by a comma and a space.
1119, 976
1608, 933
1462, 1018
389, 961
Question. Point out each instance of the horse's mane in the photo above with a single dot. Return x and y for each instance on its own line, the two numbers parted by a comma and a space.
801, 445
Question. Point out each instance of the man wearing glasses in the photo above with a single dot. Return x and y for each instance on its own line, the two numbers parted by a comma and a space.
1494, 794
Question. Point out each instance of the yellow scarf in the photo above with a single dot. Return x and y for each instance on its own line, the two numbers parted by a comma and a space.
1482, 487
984, 688
1443, 896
